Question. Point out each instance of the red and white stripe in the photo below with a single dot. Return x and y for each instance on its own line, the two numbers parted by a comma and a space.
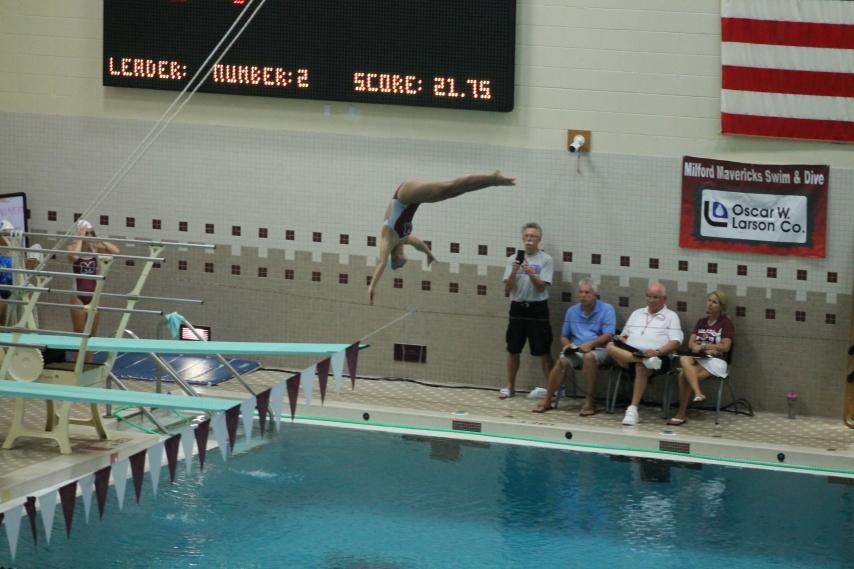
788, 68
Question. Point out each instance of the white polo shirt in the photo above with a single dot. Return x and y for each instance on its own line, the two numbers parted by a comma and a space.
646, 331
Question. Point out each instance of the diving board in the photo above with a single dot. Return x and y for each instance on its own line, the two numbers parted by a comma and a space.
100, 344
69, 394
101, 396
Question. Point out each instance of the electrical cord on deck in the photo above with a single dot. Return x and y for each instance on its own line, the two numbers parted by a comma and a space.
403, 380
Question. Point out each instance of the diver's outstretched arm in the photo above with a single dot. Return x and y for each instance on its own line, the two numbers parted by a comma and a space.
421, 246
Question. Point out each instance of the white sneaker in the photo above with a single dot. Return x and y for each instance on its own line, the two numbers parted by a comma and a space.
631, 417
537, 393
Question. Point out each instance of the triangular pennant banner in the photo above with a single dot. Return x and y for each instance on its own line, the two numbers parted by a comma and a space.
307, 377
262, 404
323, 378
201, 433
337, 360
47, 505
30, 507
352, 360
293, 393
137, 471
102, 484
67, 496
86, 487
155, 460
277, 402
12, 522
220, 435
171, 446
187, 439
120, 479
231, 418
247, 414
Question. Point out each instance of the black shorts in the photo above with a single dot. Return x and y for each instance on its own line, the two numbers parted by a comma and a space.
529, 321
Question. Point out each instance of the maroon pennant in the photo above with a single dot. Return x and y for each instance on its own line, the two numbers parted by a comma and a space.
102, 484
30, 506
262, 403
171, 445
201, 432
352, 354
137, 471
67, 495
293, 392
231, 418
322, 377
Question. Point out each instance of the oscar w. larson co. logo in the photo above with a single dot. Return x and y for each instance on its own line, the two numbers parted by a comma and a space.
754, 216
715, 212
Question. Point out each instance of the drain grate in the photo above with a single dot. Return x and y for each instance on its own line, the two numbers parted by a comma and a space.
674, 446
469, 426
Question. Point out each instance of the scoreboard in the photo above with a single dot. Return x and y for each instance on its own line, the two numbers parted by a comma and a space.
435, 53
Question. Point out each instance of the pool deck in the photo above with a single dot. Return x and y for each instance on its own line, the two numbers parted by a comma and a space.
809, 444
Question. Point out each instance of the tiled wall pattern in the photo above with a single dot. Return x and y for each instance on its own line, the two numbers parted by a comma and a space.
294, 214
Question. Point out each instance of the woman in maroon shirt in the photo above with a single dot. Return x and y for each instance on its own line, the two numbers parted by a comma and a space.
710, 344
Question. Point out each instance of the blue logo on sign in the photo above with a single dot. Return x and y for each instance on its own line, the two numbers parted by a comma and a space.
718, 214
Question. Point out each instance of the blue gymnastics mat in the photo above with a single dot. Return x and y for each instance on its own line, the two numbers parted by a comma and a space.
195, 370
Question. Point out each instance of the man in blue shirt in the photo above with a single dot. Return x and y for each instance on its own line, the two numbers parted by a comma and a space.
587, 328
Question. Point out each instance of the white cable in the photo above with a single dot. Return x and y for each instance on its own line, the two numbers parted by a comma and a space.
165, 120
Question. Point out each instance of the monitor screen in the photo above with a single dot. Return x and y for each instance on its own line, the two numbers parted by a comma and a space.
13, 208
203, 331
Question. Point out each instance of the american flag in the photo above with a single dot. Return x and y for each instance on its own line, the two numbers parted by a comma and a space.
788, 68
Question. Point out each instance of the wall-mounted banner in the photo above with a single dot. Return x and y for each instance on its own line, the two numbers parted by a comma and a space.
754, 208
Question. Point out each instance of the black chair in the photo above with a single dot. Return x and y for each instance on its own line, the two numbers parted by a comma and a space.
670, 375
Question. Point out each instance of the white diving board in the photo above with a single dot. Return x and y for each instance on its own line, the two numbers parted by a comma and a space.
101, 396
58, 423
99, 344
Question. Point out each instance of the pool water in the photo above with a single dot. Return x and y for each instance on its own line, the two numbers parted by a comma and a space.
326, 498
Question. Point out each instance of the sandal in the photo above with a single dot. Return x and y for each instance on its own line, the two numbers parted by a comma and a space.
506, 393
587, 412
676, 422
699, 399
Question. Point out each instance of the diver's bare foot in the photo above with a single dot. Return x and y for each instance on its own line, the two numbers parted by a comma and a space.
502, 180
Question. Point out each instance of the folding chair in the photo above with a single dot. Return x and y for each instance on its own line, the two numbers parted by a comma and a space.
672, 373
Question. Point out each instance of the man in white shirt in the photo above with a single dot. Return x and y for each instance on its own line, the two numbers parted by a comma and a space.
652, 333
526, 279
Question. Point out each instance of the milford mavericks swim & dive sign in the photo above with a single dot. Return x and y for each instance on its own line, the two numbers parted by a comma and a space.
754, 208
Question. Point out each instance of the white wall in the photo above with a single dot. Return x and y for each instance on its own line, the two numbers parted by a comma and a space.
643, 76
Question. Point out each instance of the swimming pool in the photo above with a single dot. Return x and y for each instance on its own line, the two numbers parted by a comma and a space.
321, 497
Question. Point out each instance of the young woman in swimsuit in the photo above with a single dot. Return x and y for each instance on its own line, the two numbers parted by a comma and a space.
84, 263
397, 229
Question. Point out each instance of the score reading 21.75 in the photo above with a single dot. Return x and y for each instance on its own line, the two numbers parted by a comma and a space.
393, 84
449, 54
